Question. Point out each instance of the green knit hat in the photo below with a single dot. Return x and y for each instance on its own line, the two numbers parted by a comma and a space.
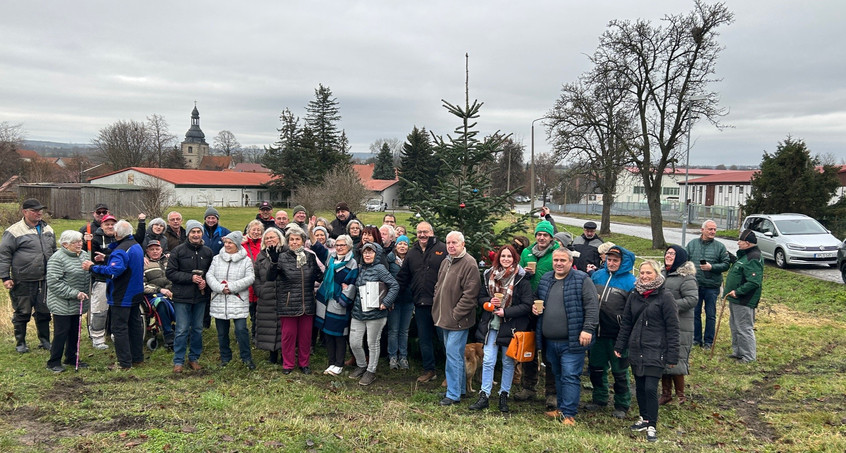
544, 226
297, 209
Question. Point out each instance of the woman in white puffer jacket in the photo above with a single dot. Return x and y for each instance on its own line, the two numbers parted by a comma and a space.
229, 277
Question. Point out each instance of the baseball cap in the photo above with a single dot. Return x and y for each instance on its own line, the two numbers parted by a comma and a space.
108, 217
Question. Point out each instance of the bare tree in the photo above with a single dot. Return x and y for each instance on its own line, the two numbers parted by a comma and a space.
160, 138
157, 197
545, 172
11, 139
586, 126
123, 144
226, 143
253, 154
340, 184
664, 73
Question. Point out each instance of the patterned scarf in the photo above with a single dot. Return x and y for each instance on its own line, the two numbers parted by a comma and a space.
502, 281
540, 253
642, 287
301, 256
335, 264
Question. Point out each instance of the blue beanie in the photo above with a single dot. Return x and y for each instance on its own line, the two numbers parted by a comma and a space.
403, 238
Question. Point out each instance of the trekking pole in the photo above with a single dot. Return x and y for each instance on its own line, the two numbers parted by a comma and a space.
79, 334
717, 331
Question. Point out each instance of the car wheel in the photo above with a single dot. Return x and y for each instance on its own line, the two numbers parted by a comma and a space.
780, 259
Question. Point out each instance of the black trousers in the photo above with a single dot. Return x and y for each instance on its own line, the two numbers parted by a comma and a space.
65, 338
646, 389
336, 349
129, 334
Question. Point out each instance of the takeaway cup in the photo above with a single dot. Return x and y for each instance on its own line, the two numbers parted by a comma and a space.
539, 306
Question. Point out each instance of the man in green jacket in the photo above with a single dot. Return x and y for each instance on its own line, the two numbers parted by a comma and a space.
711, 259
743, 290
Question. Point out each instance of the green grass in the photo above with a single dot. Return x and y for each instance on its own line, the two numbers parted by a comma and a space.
792, 399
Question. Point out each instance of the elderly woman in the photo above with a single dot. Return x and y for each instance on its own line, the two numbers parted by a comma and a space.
229, 277
296, 273
252, 244
67, 299
158, 288
680, 275
650, 330
399, 318
506, 297
156, 232
268, 327
354, 230
368, 320
334, 299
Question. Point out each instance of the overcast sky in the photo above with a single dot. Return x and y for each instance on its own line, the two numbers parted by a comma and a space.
68, 69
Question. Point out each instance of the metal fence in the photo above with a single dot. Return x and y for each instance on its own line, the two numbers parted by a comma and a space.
727, 217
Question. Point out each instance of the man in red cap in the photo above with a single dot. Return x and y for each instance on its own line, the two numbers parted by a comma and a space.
100, 251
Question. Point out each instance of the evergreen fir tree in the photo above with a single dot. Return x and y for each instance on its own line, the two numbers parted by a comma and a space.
384, 168
417, 163
290, 158
322, 117
461, 198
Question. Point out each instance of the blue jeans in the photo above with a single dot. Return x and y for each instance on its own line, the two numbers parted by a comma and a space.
189, 327
399, 319
708, 296
488, 364
426, 336
567, 369
455, 341
242, 335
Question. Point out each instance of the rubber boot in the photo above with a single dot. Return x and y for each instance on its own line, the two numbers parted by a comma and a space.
678, 380
43, 329
503, 402
20, 339
666, 390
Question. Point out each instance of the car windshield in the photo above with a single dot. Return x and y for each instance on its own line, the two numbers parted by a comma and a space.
799, 226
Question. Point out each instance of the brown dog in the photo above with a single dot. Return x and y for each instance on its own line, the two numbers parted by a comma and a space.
473, 355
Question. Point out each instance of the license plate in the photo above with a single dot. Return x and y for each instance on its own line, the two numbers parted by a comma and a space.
824, 255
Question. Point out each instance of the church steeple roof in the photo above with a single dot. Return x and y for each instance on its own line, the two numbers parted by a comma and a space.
195, 134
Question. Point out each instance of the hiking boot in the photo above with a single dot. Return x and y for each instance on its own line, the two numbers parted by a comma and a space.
427, 376
392, 363
403, 363
568, 421
503, 402
44, 344
651, 434
367, 378
177, 368
619, 413
358, 372
448, 402
553, 414
524, 395
593, 407
551, 402
195, 366
639, 425
481, 403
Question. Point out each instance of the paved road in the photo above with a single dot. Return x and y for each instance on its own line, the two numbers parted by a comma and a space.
674, 236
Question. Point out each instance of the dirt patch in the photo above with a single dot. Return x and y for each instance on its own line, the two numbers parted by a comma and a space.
38, 430
73, 389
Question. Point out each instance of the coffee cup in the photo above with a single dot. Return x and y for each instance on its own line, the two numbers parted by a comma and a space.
539, 306
499, 296
532, 265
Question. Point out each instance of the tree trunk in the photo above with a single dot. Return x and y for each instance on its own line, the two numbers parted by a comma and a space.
653, 199
605, 222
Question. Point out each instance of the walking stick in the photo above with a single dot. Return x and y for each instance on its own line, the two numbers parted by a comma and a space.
79, 334
717, 331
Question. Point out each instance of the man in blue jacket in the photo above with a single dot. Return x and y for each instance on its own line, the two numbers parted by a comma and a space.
125, 290
613, 284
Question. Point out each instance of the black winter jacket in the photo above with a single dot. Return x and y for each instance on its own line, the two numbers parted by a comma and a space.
420, 270
268, 333
186, 258
650, 330
295, 290
516, 314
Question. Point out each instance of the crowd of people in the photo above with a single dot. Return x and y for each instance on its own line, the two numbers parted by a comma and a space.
308, 282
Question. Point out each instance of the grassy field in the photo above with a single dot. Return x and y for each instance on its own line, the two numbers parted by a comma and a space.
792, 399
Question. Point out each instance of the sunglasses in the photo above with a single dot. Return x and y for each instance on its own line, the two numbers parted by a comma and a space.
264, 209
102, 212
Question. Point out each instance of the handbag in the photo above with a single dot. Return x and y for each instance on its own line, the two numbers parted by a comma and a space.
522, 346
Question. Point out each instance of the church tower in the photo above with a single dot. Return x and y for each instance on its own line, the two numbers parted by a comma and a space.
194, 147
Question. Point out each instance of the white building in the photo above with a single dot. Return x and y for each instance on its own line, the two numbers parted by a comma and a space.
723, 189
386, 190
630, 187
196, 187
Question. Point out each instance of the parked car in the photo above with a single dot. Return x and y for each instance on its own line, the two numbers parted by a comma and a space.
793, 239
841, 260
374, 205
521, 198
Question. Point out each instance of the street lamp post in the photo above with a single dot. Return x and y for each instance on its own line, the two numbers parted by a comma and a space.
686, 213
532, 167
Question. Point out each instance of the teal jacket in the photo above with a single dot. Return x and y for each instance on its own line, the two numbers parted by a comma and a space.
746, 277
715, 253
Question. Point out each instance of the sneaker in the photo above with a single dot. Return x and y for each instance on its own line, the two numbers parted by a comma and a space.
250, 365
448, 402
22, 348
44, 344
81, 364
651, 434
639, 425
367, 378
619, 413
223, 363
358, 372
287, 370
101, 346
427, 376
568, 421
56, 368
330, 370
392, 363
524, 394
306, 370
337, 370
593, 407
707, 346
553, 414
403, 363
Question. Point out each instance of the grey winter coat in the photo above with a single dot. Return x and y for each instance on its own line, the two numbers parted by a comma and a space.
65, 279
237, 271
682, 285
24, 252
374, 273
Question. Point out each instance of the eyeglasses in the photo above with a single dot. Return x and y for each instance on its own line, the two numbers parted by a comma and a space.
101, 212
340, 245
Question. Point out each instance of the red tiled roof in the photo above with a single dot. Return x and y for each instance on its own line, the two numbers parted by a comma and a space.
199, 177
365, 174
28, 154
250, 168
732, 176
693, 171
215, 163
